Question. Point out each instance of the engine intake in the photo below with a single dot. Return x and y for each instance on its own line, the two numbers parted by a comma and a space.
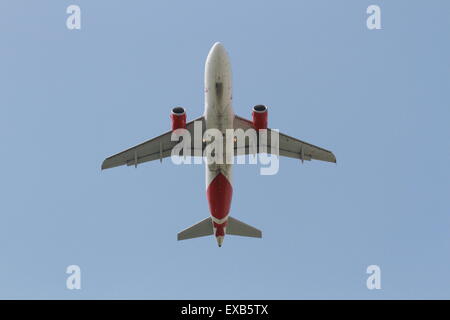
178, 117
259, 117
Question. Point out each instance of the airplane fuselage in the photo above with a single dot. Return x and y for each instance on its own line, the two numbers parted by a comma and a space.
219, 114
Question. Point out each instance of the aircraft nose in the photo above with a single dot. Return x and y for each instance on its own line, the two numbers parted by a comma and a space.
217, 51
217, 47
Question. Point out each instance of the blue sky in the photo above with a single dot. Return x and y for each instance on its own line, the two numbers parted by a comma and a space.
380, 100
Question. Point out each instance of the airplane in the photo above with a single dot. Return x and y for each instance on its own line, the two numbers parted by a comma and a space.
218, 114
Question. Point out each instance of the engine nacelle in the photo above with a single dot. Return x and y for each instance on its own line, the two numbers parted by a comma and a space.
178, 117
259, 116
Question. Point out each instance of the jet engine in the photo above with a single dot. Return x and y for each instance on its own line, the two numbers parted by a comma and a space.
259, 116
178, 117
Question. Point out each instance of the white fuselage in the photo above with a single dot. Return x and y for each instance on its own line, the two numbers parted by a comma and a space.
218, 101
219, 115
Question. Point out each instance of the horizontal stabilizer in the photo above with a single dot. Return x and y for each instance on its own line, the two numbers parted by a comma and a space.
201, 229
239, 228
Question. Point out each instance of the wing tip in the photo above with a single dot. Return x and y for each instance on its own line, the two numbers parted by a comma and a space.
105, 165
333, 157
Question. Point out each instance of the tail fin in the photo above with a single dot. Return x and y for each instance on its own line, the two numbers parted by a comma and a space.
200, 229
239, 228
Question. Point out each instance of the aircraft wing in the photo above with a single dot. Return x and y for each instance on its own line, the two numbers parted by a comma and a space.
288, 146
153, 149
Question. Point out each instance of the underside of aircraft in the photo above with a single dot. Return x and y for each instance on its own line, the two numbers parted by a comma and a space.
219, 115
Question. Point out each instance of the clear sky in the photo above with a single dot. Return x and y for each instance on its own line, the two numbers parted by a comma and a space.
379, 99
